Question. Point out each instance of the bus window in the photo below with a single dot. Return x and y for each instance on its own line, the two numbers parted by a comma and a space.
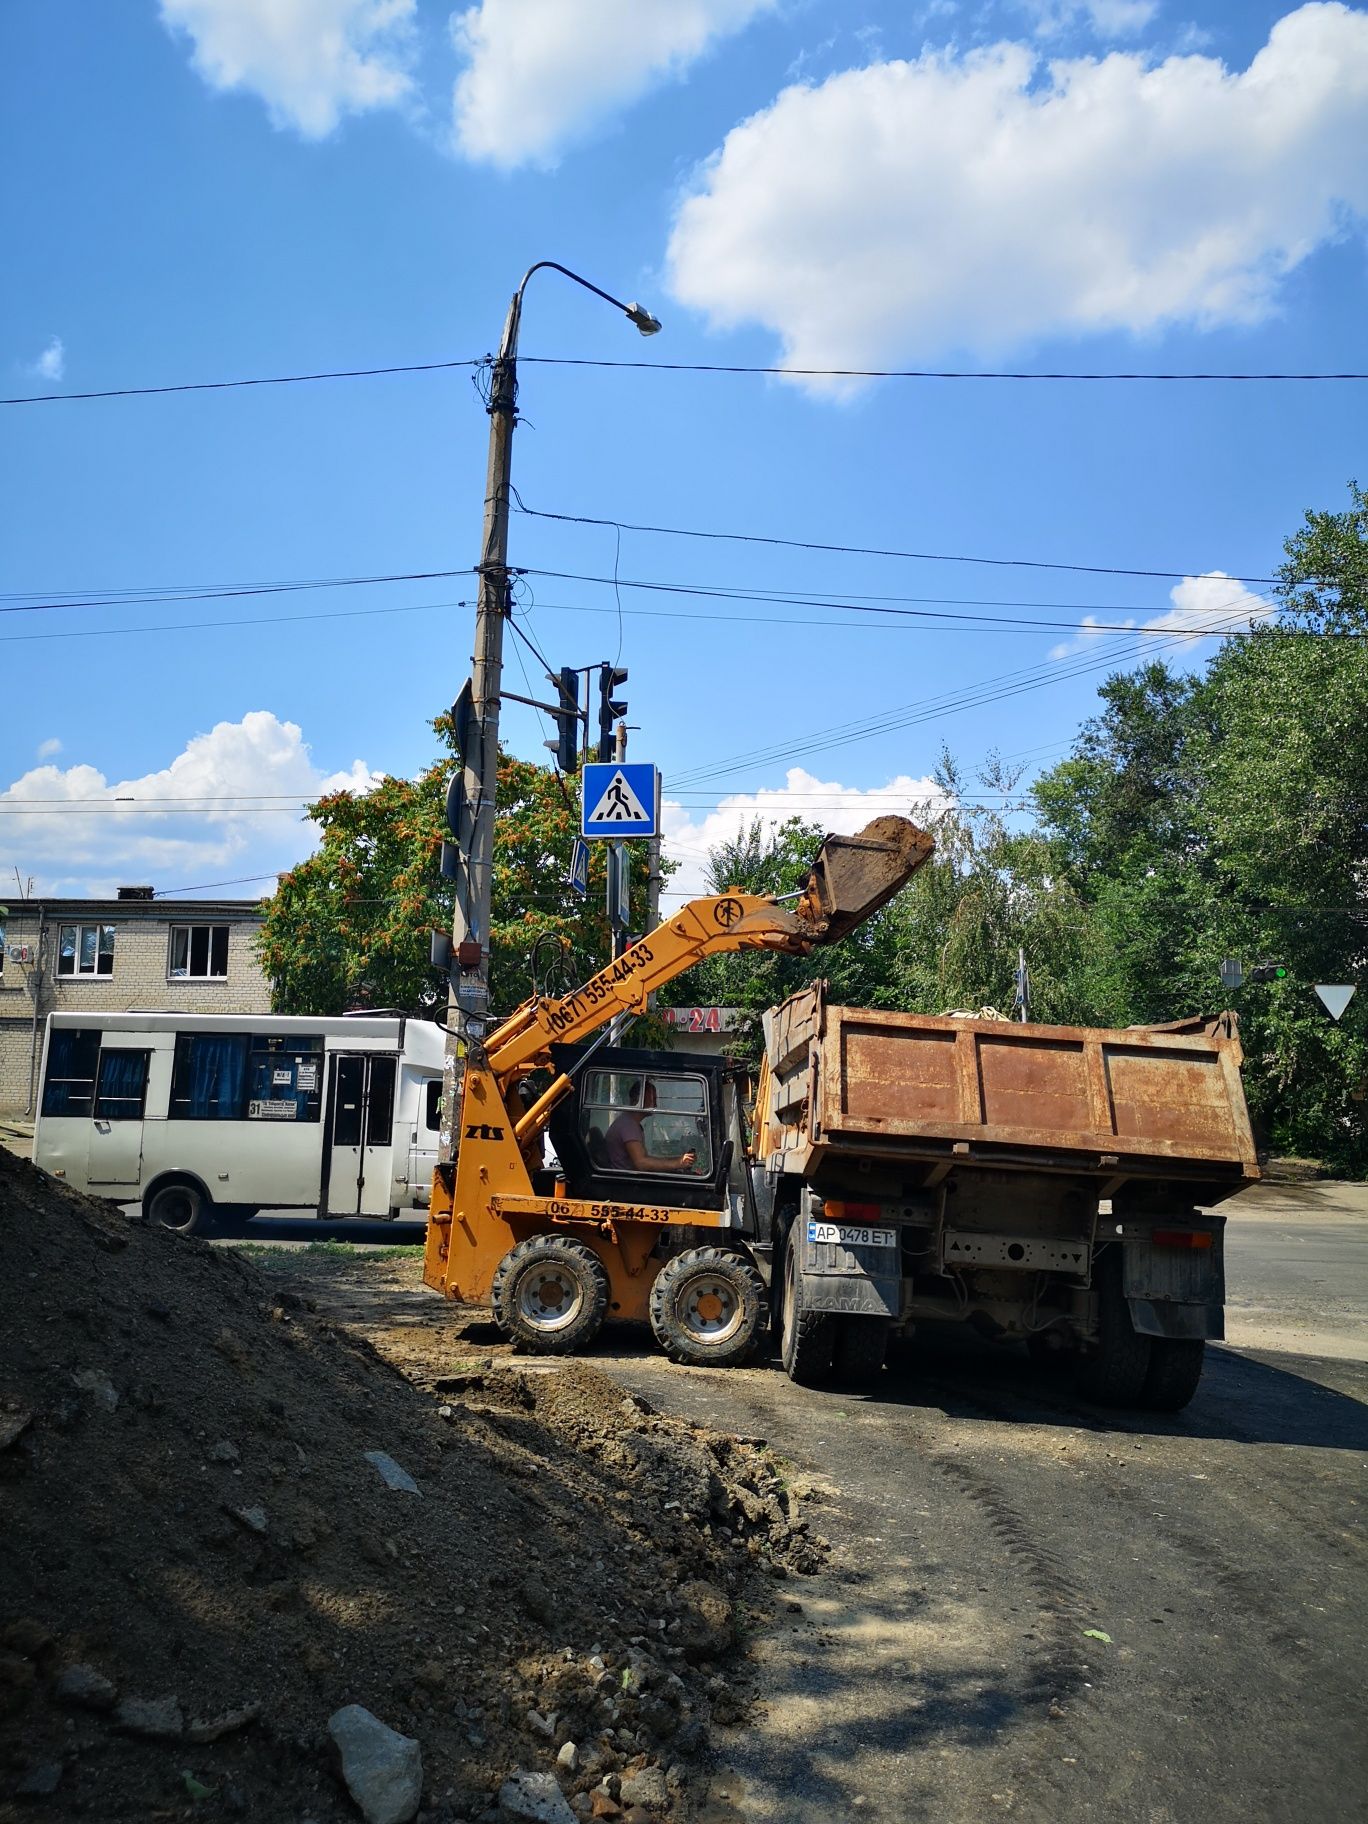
208, 1076
433, 1104
72, 1061
122, 1085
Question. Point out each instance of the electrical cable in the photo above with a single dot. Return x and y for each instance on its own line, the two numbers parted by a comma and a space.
900, 373
923, 557
223, 386
665, 367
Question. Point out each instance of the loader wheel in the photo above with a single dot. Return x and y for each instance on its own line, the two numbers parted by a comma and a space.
1114, 1371
706, 1308
1174, 1371
550, 1295
180, 1206
807, 1338
858, 1355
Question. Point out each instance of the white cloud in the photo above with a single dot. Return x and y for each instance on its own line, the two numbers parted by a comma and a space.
46, 749
225, 781
689, 835
541, 73
310, 61
1107, 18
978, 202
1212, 602
51, 364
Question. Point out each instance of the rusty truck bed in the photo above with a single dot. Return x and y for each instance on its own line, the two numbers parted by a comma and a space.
1145, 1101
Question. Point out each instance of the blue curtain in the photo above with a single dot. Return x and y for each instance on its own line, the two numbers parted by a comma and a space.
123, 1078
212, 1085
70, 1071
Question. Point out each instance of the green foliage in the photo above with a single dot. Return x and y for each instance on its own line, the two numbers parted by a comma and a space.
1228, 815
350, 925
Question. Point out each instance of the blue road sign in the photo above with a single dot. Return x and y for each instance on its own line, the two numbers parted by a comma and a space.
620, 799
578, 877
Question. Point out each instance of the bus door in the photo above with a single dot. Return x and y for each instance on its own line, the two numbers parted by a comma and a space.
361, 1172
114, 1154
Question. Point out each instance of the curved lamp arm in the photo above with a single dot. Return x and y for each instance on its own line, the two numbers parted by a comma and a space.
635, 313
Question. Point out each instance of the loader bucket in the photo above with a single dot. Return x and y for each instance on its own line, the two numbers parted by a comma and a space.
854, 875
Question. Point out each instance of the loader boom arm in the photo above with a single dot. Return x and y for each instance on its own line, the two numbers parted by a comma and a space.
851, 878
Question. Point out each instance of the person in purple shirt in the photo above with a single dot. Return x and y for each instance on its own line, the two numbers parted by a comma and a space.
626, 1143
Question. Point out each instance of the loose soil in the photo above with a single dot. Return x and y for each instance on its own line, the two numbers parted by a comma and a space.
189, 1510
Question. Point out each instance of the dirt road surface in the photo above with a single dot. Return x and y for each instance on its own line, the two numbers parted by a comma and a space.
1037, 1609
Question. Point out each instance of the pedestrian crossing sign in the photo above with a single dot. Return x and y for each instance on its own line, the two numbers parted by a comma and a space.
621, 799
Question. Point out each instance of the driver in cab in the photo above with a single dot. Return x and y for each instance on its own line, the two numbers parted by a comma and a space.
625, 1143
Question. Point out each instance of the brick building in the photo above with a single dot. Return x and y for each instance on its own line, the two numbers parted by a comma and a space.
133, 953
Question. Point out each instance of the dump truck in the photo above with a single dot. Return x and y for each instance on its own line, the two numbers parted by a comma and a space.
648, 1215
1051, 1185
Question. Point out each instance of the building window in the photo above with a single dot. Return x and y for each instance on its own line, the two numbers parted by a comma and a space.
199, 953
85, 950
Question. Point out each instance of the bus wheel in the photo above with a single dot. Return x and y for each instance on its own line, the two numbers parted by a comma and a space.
550, 1295
180, 1206
706, 1308
807, 1338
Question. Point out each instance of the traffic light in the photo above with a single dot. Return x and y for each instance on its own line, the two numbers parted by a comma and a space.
566, 744
1268, 972
610, 707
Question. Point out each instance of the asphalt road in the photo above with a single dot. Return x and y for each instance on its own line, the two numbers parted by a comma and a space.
984, 1521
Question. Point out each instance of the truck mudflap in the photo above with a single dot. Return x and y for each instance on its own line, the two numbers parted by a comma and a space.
850, 1268
1173, 1277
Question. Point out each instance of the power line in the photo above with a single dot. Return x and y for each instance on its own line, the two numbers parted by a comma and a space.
664, 367
224, 592
921, 557
898, 373
258, 620
972, 696
223, 386
721, 593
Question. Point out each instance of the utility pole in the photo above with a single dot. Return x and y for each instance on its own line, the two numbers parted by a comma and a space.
468, 977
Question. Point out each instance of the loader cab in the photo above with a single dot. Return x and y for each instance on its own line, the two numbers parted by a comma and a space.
668, 1104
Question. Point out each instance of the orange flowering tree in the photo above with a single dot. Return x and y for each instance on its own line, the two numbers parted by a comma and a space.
350, 926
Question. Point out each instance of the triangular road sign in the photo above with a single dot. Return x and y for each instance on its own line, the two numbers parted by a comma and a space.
619, 803
1335, 996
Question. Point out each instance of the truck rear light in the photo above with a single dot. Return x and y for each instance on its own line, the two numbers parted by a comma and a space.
835, 1210
1181, 1238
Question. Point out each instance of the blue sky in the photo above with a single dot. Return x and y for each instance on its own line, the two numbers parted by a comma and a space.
213, 189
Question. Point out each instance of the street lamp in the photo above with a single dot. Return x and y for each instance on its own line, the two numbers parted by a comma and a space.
469, 991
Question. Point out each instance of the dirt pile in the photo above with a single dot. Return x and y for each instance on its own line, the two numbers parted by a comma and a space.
226, 1520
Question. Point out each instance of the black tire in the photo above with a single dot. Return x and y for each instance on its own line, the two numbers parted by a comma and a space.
182, 1207
707, 1307
807, 1339
1174, 1371
550, 1295
1113, 1371
860, 1347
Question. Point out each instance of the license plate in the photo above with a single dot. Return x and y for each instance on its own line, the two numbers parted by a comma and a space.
851, 1235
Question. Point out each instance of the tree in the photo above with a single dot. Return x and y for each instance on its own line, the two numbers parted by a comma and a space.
350, 925
1227, 814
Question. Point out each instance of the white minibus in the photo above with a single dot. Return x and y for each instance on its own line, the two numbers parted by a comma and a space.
217, 1116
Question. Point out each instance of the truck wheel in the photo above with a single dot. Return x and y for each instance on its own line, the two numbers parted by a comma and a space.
1113, 1371
858, 1356
807, 1339
550, 1295
180, 1206
1174, 1371
706, 1308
